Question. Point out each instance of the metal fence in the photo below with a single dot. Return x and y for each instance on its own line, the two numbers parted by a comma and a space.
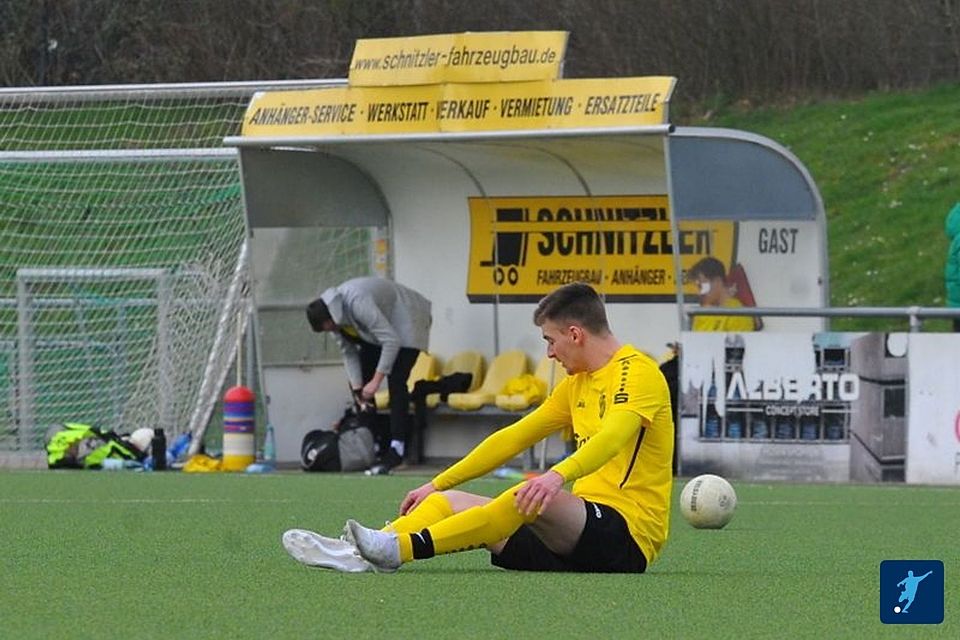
914, 314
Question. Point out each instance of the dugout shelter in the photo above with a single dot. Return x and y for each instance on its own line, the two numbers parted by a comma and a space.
484, 185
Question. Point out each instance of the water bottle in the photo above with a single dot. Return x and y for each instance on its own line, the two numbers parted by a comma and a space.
178, 448
785, 430
711, 423
834, 429
119, 464
269, 446
759, 429
734, 425
159, 446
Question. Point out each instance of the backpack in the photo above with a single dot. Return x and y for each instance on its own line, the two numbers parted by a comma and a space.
81, 446
320, 451
348, 446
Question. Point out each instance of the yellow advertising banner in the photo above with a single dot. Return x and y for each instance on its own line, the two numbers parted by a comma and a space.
556, 104
513, 56
523, 248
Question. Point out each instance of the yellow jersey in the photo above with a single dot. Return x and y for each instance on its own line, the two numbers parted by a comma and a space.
638, 479
628, 467
730, 324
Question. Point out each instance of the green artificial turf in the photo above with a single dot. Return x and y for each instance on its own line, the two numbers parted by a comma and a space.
170, 555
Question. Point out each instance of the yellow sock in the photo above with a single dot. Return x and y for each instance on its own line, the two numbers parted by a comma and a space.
406, 547
474, 528
434, 508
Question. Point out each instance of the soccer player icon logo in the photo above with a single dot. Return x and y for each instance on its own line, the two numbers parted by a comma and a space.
909, 584
903, 600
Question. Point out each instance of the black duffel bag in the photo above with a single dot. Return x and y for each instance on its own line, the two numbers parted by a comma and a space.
348, 446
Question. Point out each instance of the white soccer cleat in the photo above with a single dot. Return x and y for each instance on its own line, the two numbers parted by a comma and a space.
380, 548
315, 550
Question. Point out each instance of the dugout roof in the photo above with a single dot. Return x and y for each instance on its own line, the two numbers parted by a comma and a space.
490, 194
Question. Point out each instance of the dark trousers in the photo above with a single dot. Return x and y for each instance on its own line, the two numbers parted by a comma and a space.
396, 384
671, 371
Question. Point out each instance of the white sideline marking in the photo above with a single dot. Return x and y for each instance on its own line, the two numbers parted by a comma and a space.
827, 503
142, 501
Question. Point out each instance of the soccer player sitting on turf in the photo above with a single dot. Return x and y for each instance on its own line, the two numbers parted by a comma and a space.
615, 518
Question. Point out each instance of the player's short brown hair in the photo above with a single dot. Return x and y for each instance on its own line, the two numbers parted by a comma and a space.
576, 303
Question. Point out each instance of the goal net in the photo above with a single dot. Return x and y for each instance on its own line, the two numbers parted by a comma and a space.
112, 281
123, 262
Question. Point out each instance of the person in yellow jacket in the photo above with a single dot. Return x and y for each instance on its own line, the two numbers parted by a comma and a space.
614, 518
711, 278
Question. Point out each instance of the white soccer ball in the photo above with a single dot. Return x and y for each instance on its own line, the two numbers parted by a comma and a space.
708, 502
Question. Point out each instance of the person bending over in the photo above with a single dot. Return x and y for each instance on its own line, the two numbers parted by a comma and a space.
381, 328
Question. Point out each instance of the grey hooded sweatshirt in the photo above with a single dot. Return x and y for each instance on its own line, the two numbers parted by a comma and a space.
381, 312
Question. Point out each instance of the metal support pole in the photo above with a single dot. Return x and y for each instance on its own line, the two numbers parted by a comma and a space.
916, 324
164, 352
675, 236
25, 384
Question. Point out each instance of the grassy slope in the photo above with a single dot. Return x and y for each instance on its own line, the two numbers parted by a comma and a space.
123, 555
888, 168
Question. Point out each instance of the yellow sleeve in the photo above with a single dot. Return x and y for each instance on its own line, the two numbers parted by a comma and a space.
501, 446
619, 428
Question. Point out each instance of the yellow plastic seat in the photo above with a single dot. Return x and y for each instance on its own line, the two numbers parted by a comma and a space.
548, 373
505, 367
468, 361
425, 368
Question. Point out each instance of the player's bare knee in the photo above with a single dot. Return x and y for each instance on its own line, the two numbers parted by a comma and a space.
562, 523
461, 500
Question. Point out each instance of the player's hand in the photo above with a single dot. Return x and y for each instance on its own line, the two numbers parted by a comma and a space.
359, 404
368, 391
537, 493
415, 497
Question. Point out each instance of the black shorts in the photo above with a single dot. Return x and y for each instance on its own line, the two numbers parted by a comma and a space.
605, 546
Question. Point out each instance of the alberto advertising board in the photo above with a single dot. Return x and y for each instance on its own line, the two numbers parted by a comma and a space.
522, 248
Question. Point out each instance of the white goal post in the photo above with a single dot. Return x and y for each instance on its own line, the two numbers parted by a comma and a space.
85, 369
